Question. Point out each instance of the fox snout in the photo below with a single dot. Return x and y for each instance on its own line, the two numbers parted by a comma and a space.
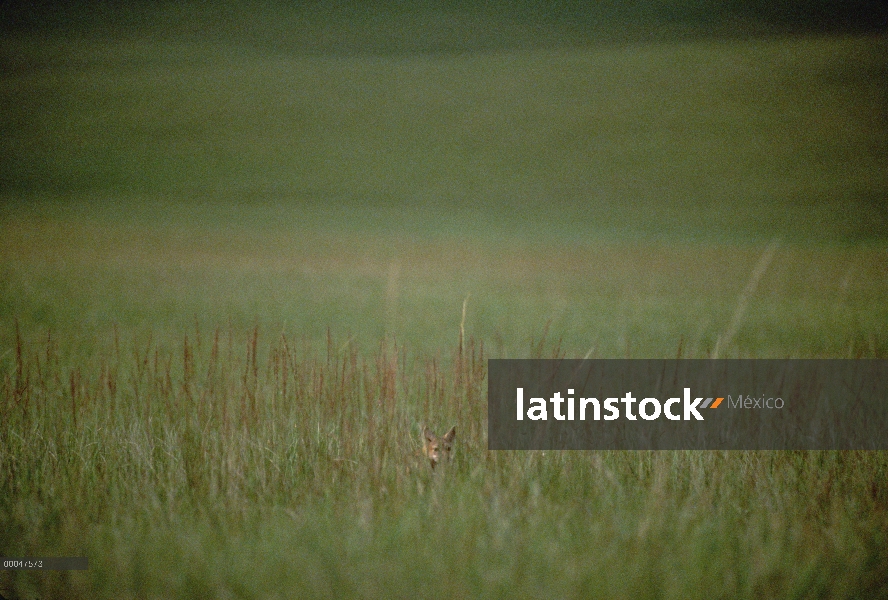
438, 449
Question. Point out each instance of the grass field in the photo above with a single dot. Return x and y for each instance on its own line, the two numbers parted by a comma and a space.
232, 284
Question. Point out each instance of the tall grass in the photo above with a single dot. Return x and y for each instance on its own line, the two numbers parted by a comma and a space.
616, 196
245, 464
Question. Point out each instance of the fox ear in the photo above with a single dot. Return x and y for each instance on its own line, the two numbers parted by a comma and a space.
428, 435
448, 437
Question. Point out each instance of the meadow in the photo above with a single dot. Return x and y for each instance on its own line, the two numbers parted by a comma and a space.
235, 281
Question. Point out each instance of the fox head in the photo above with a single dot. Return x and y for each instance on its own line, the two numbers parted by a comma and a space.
438, 449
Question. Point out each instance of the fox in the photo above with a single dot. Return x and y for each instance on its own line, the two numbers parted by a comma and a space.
438, 449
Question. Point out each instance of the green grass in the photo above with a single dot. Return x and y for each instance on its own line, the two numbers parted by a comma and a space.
223, 470
80, 275
710, 140
250, 468
231, 284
